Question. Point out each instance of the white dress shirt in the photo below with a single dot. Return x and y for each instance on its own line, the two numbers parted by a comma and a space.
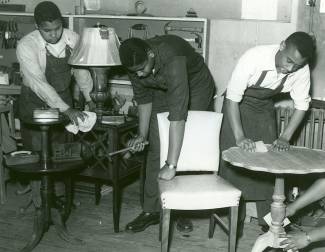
260, 58
31, 54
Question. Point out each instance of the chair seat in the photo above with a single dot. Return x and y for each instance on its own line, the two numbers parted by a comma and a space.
191, 192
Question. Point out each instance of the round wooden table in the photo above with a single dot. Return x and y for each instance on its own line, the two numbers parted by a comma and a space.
49, 210
298, 160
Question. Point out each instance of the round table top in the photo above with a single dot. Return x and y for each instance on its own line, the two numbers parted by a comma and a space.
298, 160
52, 167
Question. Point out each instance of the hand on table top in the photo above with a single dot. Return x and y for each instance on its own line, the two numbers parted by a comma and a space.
281, 144
246, 144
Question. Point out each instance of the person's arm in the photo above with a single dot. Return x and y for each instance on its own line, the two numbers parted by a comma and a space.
34, 77
237, 85
299, 240
317, 234
144, 119
143, 97
298, 85
176, 135
236, 126
315, 192
138, 142
84, 82
178, 101
282, 143
82, 75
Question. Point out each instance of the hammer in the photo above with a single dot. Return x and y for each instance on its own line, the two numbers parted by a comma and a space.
124, 150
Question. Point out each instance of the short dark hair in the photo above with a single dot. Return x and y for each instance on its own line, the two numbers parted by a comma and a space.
133, 52
46, 12
304, 43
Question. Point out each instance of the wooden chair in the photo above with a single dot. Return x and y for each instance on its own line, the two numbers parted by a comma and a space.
200, 152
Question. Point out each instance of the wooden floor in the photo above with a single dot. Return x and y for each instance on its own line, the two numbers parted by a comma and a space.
93, 224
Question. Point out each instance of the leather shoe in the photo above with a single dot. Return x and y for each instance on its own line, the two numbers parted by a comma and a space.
143, 221
184, 225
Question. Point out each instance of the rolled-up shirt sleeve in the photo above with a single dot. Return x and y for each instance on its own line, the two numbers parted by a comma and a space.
84, 81
81, 75
300, 89
34, 77
177, 88
142, 95
240, 76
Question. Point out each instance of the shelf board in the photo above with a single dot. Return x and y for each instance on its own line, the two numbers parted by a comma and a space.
7, 13
140, 17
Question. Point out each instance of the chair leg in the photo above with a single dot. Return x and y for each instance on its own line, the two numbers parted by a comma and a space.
165, 229
212, 225
3, 195
233, 229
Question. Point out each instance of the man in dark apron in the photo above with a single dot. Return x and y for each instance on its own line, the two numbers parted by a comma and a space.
43, 56
260, 74
167, 75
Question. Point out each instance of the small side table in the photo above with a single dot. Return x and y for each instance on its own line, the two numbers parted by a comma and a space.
114, 171
298, 160
46, 170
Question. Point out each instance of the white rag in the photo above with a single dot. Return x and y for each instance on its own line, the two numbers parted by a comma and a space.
83, 126
260, 147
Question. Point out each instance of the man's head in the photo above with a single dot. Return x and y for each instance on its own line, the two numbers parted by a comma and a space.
137, 56
48, 21
295, 52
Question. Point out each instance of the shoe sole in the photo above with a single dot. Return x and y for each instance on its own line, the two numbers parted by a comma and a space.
142, 229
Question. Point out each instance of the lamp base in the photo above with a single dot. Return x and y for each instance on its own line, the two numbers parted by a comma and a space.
100, 94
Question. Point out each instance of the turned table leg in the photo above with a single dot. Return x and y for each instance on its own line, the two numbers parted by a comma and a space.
271, 238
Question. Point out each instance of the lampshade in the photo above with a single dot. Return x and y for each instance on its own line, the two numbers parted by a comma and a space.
98, 46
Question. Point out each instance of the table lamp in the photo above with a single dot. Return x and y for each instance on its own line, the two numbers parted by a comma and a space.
97, 49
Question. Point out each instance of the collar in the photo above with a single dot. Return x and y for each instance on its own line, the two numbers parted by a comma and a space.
57, 49
270, 58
